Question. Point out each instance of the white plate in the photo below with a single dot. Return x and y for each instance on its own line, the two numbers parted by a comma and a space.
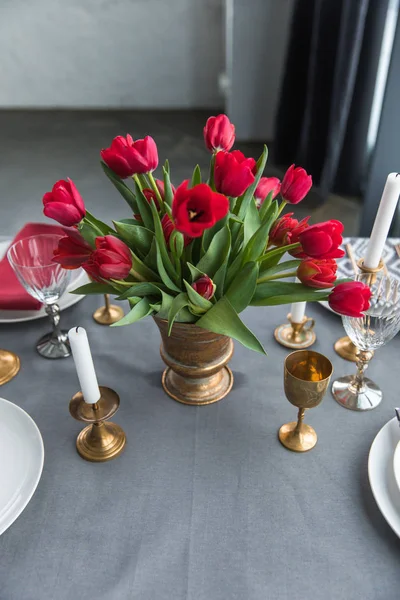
396, 465
21, 462
359, 245
79, 277
381, 473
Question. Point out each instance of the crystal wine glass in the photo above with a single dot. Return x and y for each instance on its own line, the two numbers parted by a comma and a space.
376, 327
45, 280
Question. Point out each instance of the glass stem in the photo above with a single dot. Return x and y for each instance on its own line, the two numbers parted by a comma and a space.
362, 364
53, 310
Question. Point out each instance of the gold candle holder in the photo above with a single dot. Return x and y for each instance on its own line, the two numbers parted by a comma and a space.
109, 313
99, 441
306, 379
344, 347
296, 335
9, 366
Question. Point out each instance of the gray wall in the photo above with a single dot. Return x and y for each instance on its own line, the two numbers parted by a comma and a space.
111, 53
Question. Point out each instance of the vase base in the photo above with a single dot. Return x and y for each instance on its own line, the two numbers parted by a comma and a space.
201, 392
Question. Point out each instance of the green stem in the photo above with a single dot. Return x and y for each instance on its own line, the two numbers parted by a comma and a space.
155, 188
275, 251
282, 206
278, 276
87, 220
136, 178
211, 174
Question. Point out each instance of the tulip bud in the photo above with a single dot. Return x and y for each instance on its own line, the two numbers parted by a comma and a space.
265, 186
219, 133
64, 203
350, 299
127, 157
205, 287
112, 259
233, 173
295, 185
317, 273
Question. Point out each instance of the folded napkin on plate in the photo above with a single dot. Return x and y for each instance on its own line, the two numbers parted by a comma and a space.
12, 294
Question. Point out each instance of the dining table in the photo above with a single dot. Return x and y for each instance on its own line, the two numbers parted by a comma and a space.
204, 503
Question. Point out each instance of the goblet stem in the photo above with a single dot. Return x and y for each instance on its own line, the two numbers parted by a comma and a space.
107, 303
53, 310
358, 384
300, 419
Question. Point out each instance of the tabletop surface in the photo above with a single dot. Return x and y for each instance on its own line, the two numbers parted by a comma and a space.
204, 503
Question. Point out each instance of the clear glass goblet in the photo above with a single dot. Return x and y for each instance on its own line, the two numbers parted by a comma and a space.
378, 326
45, 280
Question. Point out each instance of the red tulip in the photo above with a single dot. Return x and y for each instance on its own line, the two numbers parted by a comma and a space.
233, 173
295, 185
219, 133
284, 227
198, 208
64, 203
317, 273
168, 227
72, 251
150, 194
350, 299
127, 157
205, 287
111, 260
265, 186
321, 240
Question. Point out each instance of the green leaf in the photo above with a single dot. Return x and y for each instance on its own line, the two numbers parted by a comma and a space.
234, 269
252, 221
242, 289
272, 257
222, 318
88, 233
144, 208
178, 303
166, 165
196, 299
217, 252
167, 265
195, 273
123, 189
271, 293
209, 234
136, 236
142, 271
287, 265
138, 312
258, 241
103, 228
145, 288
250, 190
266, 205
165, 278
176, 243
150, 259
95, 288
196, 177
219, 280
166, 303
168, 194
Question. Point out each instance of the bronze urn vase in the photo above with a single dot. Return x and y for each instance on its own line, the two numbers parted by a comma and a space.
196, 359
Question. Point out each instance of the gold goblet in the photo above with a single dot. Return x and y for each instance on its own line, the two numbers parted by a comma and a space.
306, 379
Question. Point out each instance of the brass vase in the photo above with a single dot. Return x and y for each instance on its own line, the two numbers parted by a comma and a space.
196, 362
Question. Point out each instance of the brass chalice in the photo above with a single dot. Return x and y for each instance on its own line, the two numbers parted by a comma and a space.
306, 379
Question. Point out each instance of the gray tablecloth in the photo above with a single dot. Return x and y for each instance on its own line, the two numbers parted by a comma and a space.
204, 504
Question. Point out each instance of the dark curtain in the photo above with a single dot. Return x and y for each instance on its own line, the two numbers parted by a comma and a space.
324, 110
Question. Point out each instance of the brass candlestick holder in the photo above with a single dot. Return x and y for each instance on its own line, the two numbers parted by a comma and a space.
9, 366
99, 441
344, 346
296, 335
306, 379
109, 313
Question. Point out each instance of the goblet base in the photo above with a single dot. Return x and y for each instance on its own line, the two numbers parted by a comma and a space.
108, 315
9, 365
52, 347
369, 397
297, 438
346, 349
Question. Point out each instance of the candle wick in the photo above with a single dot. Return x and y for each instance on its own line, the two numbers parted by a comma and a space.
397, 174
77, 329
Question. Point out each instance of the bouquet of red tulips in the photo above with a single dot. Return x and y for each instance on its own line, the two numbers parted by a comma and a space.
203, 252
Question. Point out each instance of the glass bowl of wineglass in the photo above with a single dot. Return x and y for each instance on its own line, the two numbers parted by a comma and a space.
32, 261
379, 324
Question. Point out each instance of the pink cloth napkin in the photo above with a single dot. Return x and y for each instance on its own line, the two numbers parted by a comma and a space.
12, 294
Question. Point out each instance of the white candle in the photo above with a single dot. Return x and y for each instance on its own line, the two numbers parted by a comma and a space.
298, 309
383, 221
84, 364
